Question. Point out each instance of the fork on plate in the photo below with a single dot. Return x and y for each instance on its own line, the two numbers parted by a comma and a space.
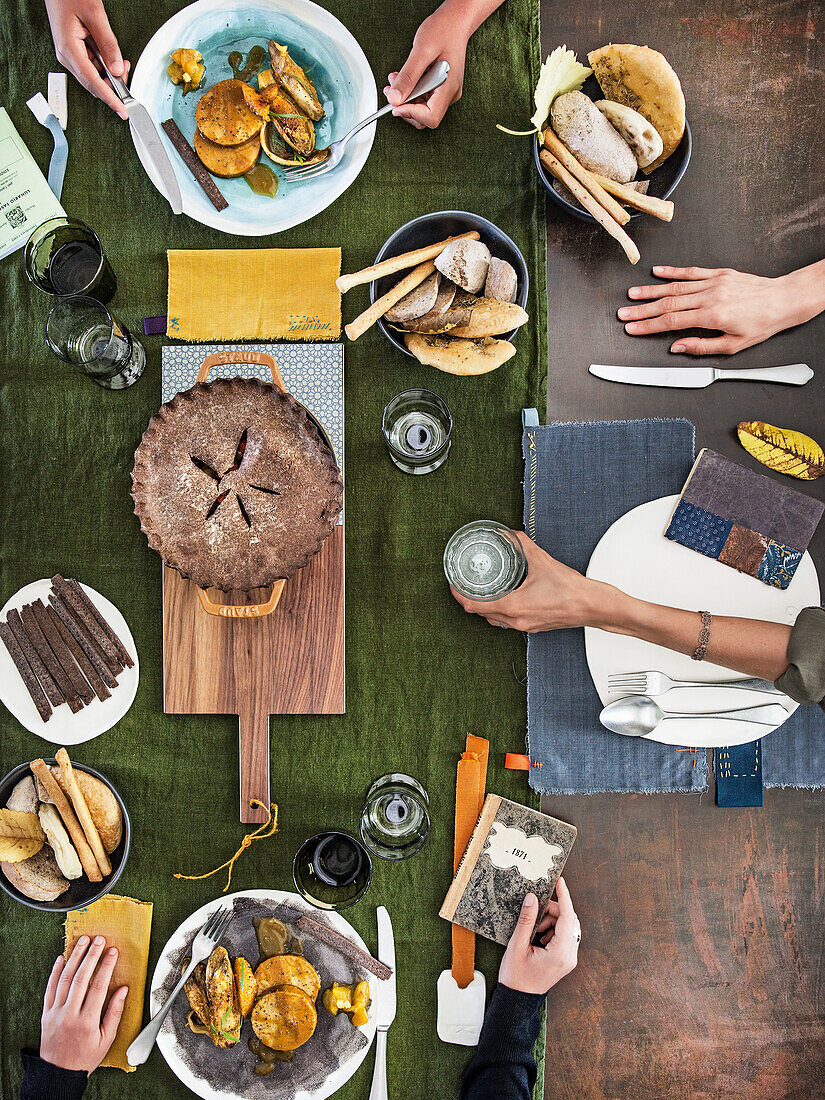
202, 947
433, 78
657, 683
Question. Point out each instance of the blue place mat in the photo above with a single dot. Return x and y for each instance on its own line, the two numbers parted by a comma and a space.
579, 479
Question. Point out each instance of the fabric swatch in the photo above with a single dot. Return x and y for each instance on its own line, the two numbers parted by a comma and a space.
262, 294
569, 502
743, 519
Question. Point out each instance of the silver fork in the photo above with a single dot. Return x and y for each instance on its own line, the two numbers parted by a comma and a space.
202, 947
656, 683
433, 78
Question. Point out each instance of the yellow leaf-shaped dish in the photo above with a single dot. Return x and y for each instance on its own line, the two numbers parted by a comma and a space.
782, 449
21, 835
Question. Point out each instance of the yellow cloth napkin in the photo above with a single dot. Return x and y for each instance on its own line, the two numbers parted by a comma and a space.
126, 924
254, 294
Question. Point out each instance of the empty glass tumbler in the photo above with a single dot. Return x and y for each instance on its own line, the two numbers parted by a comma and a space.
83, 332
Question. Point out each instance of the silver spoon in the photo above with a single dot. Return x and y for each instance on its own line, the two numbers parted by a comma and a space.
433, 78
639, 715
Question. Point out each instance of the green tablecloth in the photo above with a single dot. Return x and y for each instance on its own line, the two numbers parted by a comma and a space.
420, 673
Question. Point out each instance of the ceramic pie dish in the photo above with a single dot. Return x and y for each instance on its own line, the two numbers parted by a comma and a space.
234, 485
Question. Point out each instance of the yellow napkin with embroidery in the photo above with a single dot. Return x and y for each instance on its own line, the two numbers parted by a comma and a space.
126, 924
254, 294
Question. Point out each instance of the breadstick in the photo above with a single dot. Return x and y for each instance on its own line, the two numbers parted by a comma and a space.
69, 784
399, 263
590, 204
559, 150
368, 318
649, 204
87, 856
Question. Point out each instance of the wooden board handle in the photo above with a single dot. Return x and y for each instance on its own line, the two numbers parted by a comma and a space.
225, 358
253, 753
242, 610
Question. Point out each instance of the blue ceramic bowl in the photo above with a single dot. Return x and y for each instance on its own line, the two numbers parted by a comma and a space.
430, 228
663, 180
81, 891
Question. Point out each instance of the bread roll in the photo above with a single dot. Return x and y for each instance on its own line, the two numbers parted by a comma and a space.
642, 136
491, 318
23, 796
419, 301
642, 79
64, 851
502, 281
591, 139
38, 877
464, 357
103, 806
465, 263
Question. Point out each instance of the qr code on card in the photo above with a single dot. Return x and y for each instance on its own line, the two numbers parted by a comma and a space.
15, 217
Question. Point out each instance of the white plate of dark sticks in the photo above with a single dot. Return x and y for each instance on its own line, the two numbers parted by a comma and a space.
88, 684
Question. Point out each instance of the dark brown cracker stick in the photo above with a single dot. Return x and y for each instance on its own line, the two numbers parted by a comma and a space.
24, 668
107, 628
192, 161
83, 639
38, 668
347, 948
62, 653
79, 654
44, 651
78, 608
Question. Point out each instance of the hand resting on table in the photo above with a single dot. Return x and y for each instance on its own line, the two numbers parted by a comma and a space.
72, 1033
745, 309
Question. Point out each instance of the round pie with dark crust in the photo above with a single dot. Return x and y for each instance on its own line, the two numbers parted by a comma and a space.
234, 485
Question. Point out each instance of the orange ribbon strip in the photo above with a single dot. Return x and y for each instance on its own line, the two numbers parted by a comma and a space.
471, 782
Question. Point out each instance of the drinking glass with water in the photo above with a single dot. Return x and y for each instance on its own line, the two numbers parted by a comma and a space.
417, 426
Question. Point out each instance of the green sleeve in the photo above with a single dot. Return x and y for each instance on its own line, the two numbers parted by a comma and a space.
805, 679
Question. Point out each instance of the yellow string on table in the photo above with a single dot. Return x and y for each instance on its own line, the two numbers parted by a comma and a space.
271, 824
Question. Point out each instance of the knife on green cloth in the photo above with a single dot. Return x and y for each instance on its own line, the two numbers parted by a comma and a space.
696, 378
145, 134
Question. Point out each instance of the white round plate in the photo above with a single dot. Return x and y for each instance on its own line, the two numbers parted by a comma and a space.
319, 43
167, 1042
65, 728
635, 556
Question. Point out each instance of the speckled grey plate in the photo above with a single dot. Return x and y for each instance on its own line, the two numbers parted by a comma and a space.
320, 1067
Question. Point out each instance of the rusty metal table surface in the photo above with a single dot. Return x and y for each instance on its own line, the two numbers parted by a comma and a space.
700, 972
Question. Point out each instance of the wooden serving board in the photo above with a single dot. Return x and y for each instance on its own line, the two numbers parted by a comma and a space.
290, 661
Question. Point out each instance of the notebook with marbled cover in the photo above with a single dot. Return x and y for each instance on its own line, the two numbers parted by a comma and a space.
513, 851
743, 519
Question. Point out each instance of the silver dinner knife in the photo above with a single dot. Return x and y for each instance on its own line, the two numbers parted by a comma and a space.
386, 1005
696, 378
145, 133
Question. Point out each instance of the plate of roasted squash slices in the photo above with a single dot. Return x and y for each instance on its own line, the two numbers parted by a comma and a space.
255, 90
274, 1012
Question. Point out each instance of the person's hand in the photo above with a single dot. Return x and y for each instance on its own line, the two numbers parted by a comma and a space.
437, 39
72, 1034
551, 596
745, 309
536, 969
72, 21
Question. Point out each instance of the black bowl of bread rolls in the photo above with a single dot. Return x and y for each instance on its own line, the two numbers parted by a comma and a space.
626, 126
462, 318
64, 834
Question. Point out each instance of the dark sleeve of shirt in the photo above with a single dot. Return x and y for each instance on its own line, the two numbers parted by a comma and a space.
43, 1081
805, 679
502, 1067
